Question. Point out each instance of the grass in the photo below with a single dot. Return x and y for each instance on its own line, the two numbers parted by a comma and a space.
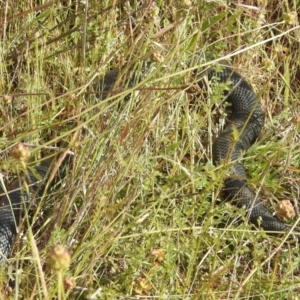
140, 209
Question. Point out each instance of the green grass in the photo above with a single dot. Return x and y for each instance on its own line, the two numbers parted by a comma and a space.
140, 209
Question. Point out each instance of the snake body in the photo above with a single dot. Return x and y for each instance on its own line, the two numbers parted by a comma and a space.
246, 118
12, 204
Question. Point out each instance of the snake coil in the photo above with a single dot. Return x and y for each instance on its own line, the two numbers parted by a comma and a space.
247, 118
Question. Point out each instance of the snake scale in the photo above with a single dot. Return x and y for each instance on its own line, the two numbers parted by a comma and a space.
246, 117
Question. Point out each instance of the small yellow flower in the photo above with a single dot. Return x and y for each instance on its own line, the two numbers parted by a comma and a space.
290, 18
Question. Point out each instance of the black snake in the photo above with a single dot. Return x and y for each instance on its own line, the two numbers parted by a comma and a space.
11, 204
246, 117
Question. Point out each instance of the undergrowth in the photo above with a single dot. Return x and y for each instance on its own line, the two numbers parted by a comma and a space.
140, 207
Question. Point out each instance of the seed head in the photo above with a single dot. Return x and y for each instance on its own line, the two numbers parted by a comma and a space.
59, 258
